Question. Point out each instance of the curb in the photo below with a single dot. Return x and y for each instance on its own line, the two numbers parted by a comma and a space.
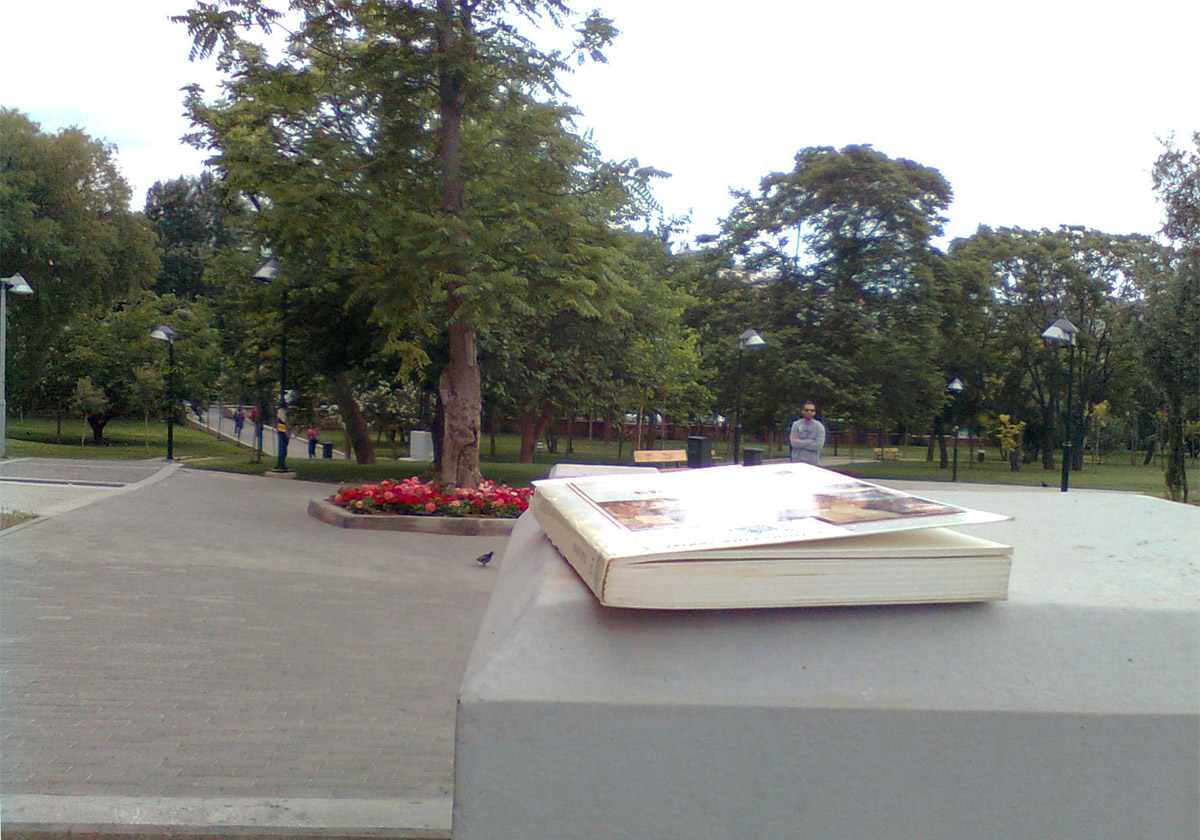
329, 513
44, 817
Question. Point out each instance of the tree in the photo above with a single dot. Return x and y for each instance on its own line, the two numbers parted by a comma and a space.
68, 229
1171, 319
110, 345
358, 146
149, 385
191, 224
1037, 277
840, 248
89, 400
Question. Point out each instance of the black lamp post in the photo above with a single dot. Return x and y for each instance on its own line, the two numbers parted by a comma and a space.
166, 335
18, 285
955, 388
1063, 331
749, 338
266, 274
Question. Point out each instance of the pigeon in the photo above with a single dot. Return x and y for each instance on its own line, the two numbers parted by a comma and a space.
484, 559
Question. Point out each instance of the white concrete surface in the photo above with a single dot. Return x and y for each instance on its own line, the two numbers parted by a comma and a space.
1070, 710
48, 486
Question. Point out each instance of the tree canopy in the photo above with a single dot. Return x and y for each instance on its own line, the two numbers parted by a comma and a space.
69, 231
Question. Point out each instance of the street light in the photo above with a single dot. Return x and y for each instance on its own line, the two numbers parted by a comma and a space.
749, 338
1063, 331
19, 286
166, 335
955, 388
267, 273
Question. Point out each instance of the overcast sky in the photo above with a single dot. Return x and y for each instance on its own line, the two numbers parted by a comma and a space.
1038, 112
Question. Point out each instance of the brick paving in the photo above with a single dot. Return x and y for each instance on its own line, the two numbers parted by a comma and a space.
202, 636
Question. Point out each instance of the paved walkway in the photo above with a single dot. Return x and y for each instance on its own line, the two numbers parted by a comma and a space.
191, 649
213, 419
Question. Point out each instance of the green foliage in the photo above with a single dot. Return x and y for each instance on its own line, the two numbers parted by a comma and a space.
68, 229
838, 254
410, 159
113, 348
88, 398
1171, 316
1036, 277
191, 222
149, 387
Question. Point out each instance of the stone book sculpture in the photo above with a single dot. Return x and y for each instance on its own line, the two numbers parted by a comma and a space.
765, 536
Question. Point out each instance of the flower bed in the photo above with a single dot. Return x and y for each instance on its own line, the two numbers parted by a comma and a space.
412, 497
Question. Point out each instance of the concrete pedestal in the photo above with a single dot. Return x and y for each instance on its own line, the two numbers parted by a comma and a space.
1069, 711
420, 445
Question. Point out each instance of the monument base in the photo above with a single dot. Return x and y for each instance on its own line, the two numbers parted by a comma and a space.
1070, 710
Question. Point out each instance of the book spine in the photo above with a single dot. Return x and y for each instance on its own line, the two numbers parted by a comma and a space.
584, 558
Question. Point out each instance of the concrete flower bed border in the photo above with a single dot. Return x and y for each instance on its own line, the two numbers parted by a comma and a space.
463, 526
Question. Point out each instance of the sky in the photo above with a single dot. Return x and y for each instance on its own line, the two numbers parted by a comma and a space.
1039, 113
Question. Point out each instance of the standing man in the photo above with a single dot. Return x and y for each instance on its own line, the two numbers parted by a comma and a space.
807, 437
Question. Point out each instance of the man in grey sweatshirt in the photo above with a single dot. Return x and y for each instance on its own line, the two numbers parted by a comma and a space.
807, 436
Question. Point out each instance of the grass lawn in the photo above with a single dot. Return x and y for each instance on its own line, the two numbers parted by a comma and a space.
123, 440
131, 439
1115, 473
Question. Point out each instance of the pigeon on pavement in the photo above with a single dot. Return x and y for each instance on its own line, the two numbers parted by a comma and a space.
484, 559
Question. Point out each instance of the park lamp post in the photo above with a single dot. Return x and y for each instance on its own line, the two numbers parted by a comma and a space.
267, 273
955, 388
1063, 331
749, 338
18, 285
166, 335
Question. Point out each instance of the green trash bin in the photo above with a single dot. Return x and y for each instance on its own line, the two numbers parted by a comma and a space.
699, 451
752, 457
326, 450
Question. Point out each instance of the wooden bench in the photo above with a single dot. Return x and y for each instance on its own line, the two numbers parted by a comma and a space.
890, 452
660, 456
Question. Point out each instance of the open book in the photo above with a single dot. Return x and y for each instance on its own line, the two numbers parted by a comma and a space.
765, 536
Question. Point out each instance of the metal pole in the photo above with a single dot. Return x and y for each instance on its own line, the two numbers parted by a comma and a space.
281, 420
1066, 464
954, 471
170, 400
3, 369
737, 412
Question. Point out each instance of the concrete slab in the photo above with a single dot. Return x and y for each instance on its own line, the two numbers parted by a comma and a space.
1069, 710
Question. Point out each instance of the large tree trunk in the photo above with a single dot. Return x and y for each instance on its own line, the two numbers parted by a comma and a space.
98, 422
527, 423
357, 431
1175, 475
1048, 446
463, 402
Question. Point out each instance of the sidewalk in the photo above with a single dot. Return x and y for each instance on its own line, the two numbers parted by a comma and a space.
213, 419
200, 655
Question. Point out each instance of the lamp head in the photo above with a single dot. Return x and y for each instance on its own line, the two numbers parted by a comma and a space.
17, 284
267, 271
163, 333
1061, 331
751, 338
955, 386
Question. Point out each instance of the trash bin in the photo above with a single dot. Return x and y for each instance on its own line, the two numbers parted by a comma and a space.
752, 457
326, 450
699, 451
